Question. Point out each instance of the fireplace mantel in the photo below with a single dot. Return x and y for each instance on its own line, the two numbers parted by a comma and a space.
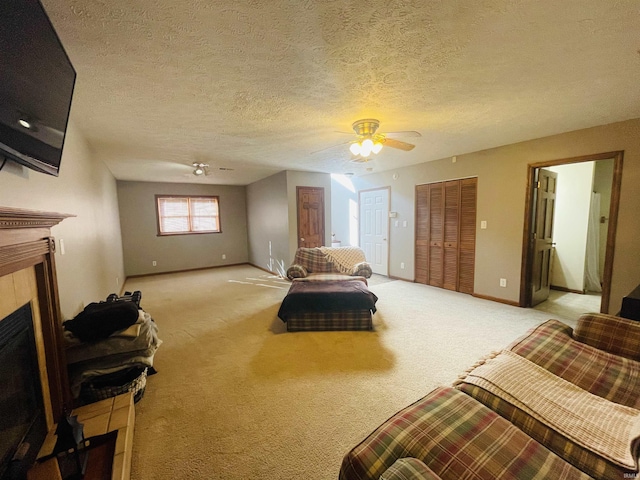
25, 242
18, 218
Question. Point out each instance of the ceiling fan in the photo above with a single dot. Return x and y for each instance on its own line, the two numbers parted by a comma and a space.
200, 169
369, 141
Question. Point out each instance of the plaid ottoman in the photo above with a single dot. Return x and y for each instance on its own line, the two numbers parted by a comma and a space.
328, 305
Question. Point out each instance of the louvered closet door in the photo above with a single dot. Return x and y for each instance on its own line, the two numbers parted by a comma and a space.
451, 227
436, 234
467, 253
446, 234
422, 233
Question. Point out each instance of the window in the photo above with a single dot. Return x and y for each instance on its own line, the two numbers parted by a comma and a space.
187, 214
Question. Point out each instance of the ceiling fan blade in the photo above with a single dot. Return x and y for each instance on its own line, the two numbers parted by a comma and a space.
358, 159
408, 133
390, 142
332, 146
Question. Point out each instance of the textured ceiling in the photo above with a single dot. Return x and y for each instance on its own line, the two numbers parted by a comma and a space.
258, 85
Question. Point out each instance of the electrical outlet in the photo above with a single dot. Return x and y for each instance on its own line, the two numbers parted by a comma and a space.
154, 263
117, 281
224, 256
402, 265
503, 282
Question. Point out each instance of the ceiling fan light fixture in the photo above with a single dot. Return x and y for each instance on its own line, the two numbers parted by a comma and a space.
199, 168
368, 141
366, 148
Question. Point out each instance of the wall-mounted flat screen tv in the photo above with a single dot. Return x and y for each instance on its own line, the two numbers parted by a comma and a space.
36, 87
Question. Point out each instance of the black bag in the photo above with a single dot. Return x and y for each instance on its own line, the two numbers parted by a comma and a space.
99, 320
134, 297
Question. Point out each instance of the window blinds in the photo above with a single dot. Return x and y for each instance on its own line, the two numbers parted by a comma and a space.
188, 214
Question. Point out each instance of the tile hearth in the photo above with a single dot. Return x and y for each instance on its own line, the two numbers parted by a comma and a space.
112, 414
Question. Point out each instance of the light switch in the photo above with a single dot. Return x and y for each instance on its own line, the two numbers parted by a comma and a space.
61, 242
483, 224
404, 223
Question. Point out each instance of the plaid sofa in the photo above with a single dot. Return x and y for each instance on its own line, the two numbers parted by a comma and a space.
467, 432
313, 261
456, 438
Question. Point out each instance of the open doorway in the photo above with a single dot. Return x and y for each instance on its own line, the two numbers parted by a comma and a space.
541, 265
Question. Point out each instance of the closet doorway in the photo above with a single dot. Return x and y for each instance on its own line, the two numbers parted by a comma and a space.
445, 243
556, 266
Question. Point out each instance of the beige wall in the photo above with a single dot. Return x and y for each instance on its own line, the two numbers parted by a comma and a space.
142, 245
92, 266
502, 181
268, 215
272, 212
344, 210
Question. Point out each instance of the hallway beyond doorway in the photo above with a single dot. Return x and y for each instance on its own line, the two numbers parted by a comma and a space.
569, 306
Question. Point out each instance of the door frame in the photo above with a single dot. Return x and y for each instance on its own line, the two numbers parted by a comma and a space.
360, 192
529, 210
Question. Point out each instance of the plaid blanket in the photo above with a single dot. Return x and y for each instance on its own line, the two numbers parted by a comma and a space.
458, 438
590, 463
551, 346
344, 258
608, 429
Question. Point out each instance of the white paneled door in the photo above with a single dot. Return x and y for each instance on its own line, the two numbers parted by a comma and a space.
374, 228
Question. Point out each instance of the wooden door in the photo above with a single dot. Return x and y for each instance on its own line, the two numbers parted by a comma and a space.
545, 202
422, 234
467, 238
450, 235
436, 234
374, 228
310, 216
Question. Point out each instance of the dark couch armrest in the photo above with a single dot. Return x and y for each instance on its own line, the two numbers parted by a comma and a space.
296, 271
612, 334
362, 269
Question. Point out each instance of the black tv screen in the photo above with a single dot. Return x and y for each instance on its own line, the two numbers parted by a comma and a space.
36, 87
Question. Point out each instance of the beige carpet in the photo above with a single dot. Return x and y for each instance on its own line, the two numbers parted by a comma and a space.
237, 397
